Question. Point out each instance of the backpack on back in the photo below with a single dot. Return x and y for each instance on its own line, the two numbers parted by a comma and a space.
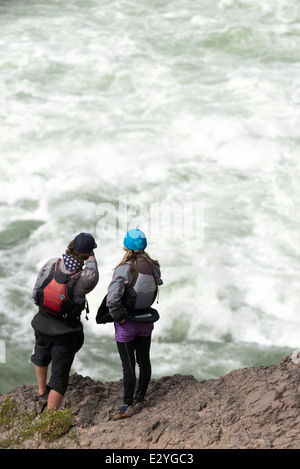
144, 290
137, 299
55, 295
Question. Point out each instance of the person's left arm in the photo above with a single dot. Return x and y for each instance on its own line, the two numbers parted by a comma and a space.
87, 281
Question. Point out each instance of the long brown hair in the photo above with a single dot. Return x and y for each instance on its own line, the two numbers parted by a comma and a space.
132, 256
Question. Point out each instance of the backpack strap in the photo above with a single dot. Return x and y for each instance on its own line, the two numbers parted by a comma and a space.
57, 265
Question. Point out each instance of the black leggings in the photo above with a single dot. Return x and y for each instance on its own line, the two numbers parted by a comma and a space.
138, 349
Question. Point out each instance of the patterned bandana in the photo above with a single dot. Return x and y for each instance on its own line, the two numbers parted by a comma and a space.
72, 264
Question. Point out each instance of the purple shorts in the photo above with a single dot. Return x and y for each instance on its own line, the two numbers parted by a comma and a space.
129, 330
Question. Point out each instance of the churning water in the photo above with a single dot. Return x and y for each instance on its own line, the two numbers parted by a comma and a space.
178, 117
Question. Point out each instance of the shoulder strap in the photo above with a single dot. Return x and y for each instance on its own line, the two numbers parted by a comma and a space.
57, 265
144, 267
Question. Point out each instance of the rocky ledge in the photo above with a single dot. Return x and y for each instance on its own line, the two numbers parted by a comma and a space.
248, 408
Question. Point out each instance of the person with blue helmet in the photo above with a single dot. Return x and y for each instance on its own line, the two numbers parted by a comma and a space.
135, 240
130, 295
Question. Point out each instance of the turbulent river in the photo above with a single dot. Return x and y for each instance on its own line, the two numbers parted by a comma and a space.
181, 118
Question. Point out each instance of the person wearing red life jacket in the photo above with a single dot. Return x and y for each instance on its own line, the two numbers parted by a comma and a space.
60, 293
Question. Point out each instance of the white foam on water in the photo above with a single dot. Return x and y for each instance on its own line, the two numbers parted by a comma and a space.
164, 104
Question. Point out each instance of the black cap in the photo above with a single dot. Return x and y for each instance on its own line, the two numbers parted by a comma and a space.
84, 243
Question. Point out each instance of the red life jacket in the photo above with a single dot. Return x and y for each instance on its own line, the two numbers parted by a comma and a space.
55, 296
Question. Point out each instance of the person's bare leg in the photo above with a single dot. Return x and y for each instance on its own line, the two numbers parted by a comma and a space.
54, 400
41, 374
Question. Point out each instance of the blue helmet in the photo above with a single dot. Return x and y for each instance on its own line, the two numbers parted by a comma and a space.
135, 240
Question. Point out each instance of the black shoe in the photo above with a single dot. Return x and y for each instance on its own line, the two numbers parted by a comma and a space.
125, 412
